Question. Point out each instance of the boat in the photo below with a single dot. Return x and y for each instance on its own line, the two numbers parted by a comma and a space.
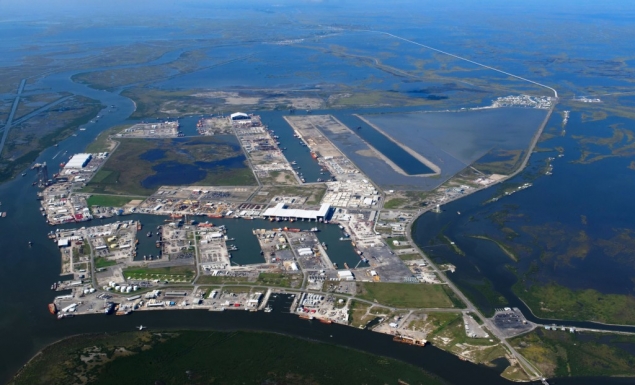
149, 233
314, 155
326, 321
54, 286
3, 214
52, 308
346, 265
305, 316
268, 309
122, 312
409, 340
138, 226
65, 315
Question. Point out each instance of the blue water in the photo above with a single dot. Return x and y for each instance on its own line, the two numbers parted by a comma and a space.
152, 155
174, 173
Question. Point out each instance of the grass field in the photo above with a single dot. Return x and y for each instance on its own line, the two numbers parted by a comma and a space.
404, 295
357, 314
108, 200
139, 166
281, 280
562, 354
103, 143
409, 257
207, 357
173, 273
395, 203
208, 279
101, 262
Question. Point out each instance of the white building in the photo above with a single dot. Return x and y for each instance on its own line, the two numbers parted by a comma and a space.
280, 211
79, 161
240, 116
345, 275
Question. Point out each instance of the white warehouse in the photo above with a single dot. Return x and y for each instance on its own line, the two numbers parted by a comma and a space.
280, 211
79, 161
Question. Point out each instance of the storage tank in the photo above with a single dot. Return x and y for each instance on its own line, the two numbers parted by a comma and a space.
135, 288
128, 289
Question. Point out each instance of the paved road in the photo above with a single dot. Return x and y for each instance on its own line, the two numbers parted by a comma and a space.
7, 126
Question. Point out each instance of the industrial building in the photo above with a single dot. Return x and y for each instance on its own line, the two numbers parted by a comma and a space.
240, 116
345, 275
280, 211
79, 161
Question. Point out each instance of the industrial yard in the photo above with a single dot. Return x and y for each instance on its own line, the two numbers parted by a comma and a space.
223, 248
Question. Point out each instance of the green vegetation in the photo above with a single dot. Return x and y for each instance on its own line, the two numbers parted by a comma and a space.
282, 280
555, 301
103, 142
504, 248
26, 141
101, 262
562, 354
409, 257
126, 169
502, 162
170, 273
357, 314
405, 295
208, 279
184, 358
108, 201
395, 203
449, 334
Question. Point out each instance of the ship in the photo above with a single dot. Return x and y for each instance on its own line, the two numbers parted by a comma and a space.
215, 215
409, 340
52, 308
138, 226
122, 312
305, 316
326, 321
314, 155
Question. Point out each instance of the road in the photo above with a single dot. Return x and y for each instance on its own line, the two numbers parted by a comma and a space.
7, 126
555, 93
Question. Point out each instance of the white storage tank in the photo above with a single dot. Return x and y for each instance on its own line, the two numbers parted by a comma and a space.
128, 289
135, 288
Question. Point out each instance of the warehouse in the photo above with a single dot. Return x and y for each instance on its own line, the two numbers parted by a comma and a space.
240, 116
280, 211
79, 161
